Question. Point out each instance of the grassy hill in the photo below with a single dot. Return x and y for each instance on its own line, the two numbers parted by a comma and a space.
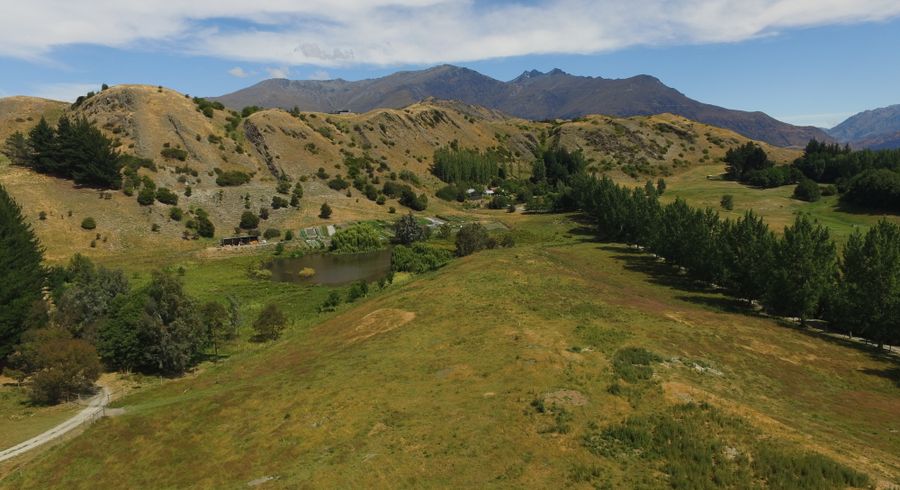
147, 120
510, 368
22, 113
559, 362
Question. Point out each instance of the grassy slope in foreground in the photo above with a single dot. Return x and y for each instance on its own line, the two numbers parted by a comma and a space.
431, 383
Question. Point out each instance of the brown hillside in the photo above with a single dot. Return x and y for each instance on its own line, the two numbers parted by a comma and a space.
20, 113
146, 120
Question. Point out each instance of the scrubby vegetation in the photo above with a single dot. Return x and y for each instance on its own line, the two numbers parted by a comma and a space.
88, 223
418, 258
231, 178
699, 447
471, 238
166, 196
208, 107
170, 153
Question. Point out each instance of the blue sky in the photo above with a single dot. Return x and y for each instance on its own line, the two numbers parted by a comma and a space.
802, 61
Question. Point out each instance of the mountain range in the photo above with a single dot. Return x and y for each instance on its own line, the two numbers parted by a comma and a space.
875, 129
532, 95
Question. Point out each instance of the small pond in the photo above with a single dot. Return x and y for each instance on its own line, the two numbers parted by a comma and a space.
333, 269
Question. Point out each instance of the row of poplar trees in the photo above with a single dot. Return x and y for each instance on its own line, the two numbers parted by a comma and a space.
799, 274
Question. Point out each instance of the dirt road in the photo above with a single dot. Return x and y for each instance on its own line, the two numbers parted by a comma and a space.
92, 411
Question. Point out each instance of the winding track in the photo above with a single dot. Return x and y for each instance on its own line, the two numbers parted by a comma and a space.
94, 409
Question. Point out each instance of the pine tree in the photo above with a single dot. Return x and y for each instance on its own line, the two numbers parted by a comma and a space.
97, 163
870, 291
17, 150
41, 139
749, 254
805, 269
21, 271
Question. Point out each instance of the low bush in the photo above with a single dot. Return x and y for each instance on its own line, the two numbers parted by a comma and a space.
174, 154
807, 190
338, 183
359, 289
249, 220
231, 178
471, 238
279, 202
633, 364
418, 258
451, 193
166, 196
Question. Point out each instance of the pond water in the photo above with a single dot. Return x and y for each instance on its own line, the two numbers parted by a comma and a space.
333, 269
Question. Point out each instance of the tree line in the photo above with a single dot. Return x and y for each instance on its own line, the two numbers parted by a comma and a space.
75, 149
465, 166
800, 274
866, 178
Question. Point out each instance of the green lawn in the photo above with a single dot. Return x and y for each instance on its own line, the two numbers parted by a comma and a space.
503, 369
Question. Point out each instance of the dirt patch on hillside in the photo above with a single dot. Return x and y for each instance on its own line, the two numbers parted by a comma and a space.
379, 322
569, 398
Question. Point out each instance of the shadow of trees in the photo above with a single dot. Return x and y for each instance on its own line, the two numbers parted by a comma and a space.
703, 294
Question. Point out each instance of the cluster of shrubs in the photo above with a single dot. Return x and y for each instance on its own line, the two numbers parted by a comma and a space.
207, 107
474, 237
418, 258
174, 154
357, 290
405, 195
231, 178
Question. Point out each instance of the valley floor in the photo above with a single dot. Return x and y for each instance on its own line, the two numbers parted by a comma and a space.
501, 369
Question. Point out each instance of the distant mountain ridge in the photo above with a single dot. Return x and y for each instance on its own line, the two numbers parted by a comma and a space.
875, 129
532, 95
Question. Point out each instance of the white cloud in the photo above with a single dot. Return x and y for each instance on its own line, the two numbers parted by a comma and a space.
67, 92
389, 32
239, 72
280, 72
319, 75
